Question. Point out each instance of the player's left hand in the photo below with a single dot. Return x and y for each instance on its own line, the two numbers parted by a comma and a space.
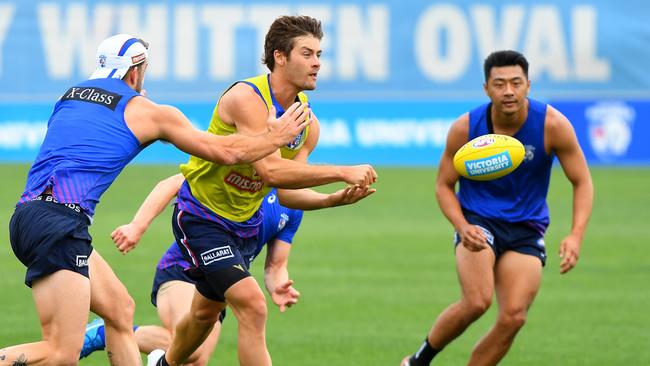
569, 252
126, 237
349, 195
285, 295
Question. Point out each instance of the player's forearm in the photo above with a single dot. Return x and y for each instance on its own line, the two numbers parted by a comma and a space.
157, 200
450, 206
242, 149
303, 199
275, 275
295, 175
583, 196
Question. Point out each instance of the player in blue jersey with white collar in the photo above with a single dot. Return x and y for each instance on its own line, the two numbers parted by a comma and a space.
95, 129
173, 286
500, 224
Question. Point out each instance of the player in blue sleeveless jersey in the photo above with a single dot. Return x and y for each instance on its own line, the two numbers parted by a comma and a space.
500, 224
173, 287
95, 129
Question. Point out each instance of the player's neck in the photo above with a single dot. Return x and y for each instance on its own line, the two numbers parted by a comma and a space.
509, 124
283, 91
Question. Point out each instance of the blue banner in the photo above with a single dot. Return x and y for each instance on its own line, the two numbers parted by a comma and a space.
371, 50
394, 74
612, 132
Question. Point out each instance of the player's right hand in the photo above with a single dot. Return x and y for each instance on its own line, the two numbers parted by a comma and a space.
472, 237
290, 124
360, 175
126, 237
349, 195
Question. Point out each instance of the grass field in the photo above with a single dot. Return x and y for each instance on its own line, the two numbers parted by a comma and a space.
373, 277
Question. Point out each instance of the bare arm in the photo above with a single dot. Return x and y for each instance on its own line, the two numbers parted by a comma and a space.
242, 107
307, 199
126, 237
471, 236
276, 275
562, 139
150, 122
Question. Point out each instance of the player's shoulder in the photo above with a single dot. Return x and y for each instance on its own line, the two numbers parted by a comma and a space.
555, 120
460, 126
239, 93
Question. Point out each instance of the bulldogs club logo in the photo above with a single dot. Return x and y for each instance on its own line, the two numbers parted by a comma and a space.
610, 128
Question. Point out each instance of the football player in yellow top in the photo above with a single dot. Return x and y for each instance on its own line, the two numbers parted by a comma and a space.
216, 219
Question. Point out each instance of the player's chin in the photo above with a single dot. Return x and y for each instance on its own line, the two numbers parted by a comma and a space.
309, 85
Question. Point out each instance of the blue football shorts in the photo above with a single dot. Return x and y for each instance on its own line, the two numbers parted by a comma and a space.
521, 237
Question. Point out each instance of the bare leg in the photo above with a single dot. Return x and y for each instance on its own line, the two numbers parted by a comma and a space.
193, 328
518, 277
476, 276
151, 337
110, 300
62, 300
247, 302
173, 304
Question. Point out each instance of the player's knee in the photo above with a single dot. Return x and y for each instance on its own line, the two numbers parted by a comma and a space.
253, 312
205, 316
121, 312
513, 320
475, 307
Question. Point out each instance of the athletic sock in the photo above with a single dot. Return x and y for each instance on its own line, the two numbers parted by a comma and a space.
424, 355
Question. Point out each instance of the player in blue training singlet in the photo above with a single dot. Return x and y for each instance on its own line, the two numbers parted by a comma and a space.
500, 224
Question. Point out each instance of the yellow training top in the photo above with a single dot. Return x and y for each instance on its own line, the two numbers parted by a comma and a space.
235, 192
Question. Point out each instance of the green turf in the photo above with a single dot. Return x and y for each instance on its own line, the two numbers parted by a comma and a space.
373, 277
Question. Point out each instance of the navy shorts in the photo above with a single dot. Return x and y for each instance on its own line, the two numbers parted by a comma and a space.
211, 248
520, 237
48, 237
171, 273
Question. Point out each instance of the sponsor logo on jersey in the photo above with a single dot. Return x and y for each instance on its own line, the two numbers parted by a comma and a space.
93, 95
82, 261
243, 183
489, 165
216, 254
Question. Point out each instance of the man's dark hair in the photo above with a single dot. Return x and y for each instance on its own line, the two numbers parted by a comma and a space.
283, 32
504, 58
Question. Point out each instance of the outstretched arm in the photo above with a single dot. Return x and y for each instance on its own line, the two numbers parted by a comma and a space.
242, 107
276, 275
307, 199
126, 237
150, 121
564, 143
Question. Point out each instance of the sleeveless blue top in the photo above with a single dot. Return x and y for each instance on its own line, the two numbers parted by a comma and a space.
521, 195
86, 146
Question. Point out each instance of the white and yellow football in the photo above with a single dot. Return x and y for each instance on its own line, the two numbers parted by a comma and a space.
489, 157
